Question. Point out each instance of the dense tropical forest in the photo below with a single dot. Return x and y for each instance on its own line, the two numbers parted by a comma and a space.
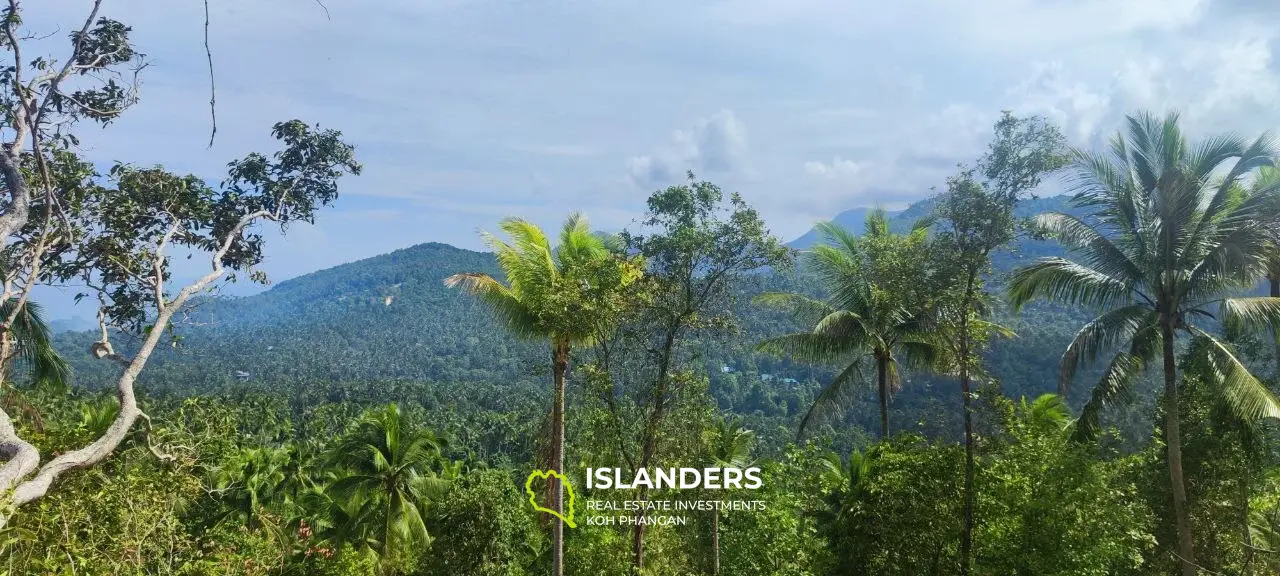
988, 382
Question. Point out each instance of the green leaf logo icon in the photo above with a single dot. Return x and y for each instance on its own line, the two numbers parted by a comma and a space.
568, 491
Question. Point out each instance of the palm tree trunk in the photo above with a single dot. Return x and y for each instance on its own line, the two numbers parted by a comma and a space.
715, 542
882, 369
1173, 443
560, 365
1274, 280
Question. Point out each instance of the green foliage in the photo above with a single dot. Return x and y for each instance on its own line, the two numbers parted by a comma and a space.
115, 238
482, 527
385, 481
1051, 506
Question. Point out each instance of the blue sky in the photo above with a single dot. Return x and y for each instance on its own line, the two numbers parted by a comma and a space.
464, 112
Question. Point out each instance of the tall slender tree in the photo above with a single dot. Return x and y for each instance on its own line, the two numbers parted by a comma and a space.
729, 446
696, 244
977, 218
875, 311
564, 296
1266, 178
1172, 236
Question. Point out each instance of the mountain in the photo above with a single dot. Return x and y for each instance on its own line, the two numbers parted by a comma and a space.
388, 317
73, 324
854, 220
370, 327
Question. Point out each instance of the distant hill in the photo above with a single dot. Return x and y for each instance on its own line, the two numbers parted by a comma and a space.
390, 319
1022, 250
854, 220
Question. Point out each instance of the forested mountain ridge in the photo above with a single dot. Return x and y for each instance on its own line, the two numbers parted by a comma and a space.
390, 318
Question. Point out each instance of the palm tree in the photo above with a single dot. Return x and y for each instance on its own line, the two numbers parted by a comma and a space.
849, 483
729, 445
248, 481
1171, 235
873, 312
28, 341
384, 480
565, 296
1266, 178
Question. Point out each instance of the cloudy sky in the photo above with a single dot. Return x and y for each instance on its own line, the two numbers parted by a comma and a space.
466, 111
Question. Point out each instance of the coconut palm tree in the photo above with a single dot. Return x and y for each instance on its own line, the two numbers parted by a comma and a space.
873, 313
729, 445
1172, 235
565, 296
385, 478
1266, 178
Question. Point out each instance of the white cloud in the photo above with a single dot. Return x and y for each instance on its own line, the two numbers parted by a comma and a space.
464, 112
837, 168
1066, 101
714, 145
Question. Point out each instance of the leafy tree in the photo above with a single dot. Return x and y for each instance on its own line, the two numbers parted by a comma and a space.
893, 509
695, 245
977, 218
43, 101
1167, 242
116, 243
1053, 506
567, 296
482, 528
876, 311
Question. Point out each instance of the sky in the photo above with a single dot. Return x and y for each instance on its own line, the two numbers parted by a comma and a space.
467, 111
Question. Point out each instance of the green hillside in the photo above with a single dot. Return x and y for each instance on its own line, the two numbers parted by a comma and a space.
389, 319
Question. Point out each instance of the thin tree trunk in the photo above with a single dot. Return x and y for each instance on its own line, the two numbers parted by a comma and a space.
970, 496
560, 365
882, 369
966, 540
715, 542
1173, 443
1247, 568
1275, 330
658, 401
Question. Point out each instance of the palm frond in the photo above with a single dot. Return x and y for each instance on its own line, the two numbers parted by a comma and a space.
1048, 410
1062, 280
33, 343
833, 398
1248, 398
810, 347
505, 303
1099, 251
1251, 314
1101, 334
1115, 388
802, 308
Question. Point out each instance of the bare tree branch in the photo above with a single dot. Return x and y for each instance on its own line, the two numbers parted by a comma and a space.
213, 88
